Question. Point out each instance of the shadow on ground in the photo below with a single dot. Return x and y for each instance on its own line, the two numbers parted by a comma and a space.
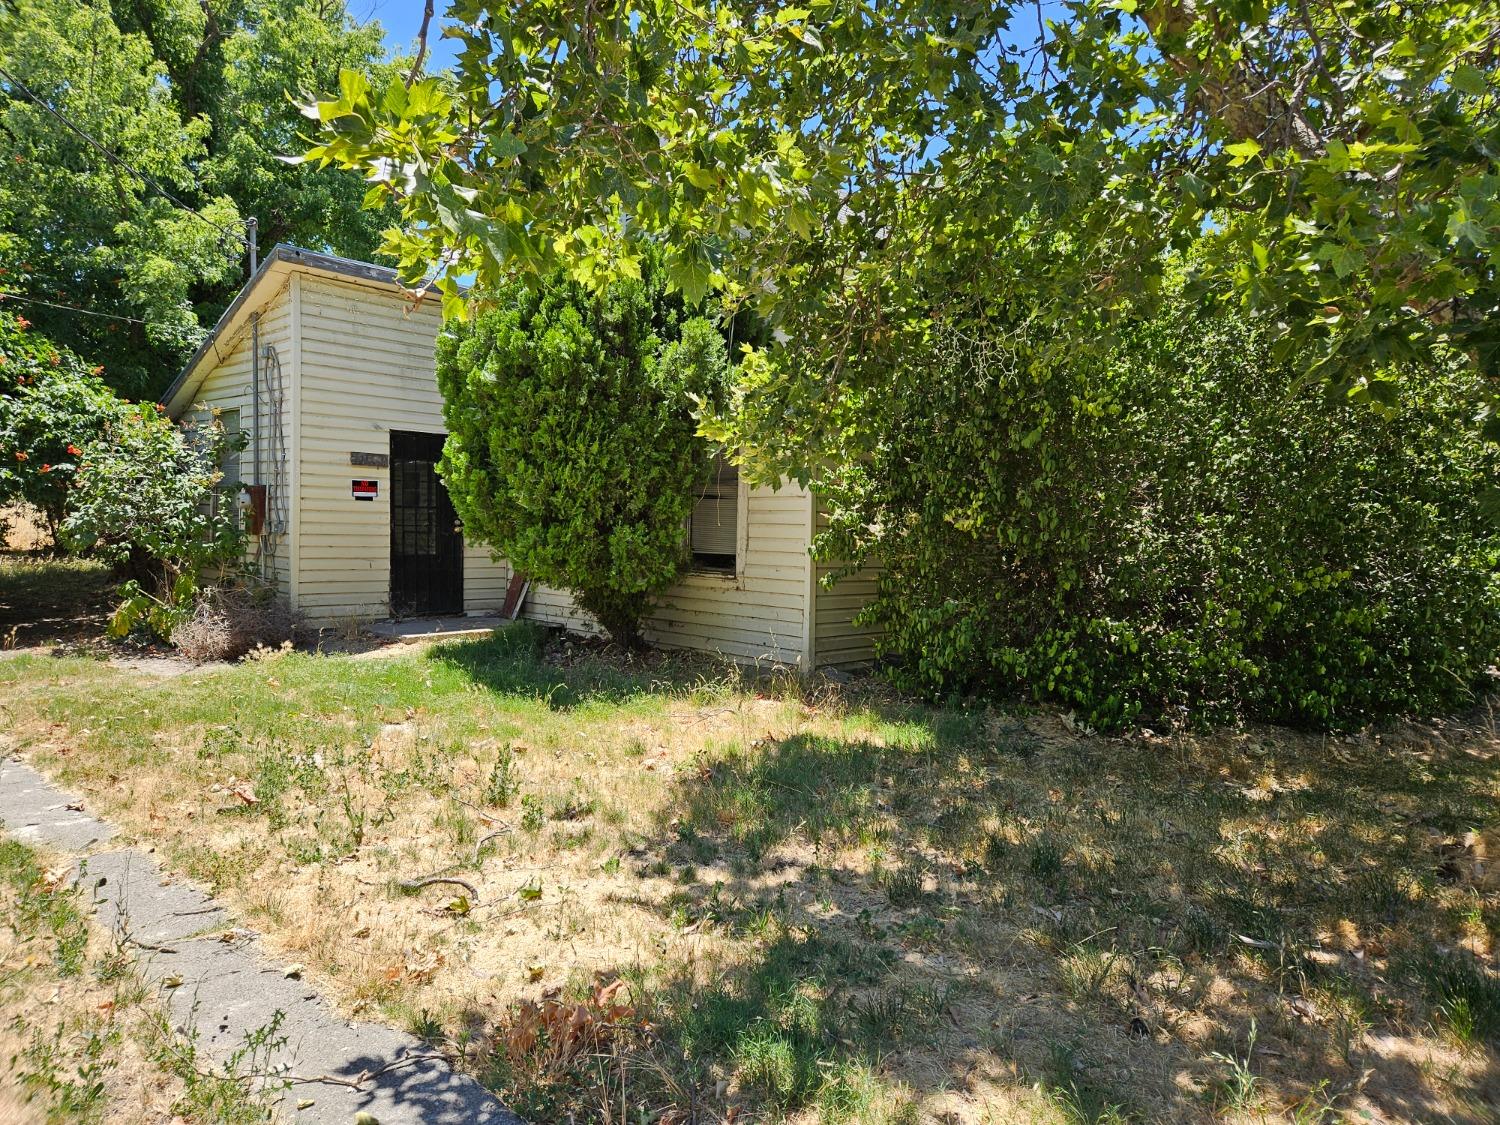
47, 600
528, 659
1158, 929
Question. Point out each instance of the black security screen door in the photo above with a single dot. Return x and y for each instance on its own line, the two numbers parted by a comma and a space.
427, 558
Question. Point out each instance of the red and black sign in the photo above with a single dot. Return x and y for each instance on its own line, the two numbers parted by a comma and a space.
364, 489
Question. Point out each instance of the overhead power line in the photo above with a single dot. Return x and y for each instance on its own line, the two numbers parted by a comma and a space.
69, 308
107, 153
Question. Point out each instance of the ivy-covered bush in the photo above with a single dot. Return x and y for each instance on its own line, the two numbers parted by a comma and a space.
1176, 533
144, 500
572, 442
51, 405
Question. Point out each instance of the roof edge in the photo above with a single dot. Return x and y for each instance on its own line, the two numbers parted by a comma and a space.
282, 252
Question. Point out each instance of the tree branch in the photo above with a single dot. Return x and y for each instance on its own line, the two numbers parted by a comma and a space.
416, 67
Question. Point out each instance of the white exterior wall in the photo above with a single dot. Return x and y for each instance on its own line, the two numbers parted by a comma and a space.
366, 368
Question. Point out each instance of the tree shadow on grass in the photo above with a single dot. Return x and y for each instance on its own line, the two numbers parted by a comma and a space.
46, 600
1142, 924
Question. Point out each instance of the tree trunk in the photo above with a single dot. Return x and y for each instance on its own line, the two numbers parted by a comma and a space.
620, 617
1250, 107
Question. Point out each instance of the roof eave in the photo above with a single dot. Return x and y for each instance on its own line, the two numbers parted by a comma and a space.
283, 254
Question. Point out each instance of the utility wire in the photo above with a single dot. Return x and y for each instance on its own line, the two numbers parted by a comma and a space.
69, 308
62, 117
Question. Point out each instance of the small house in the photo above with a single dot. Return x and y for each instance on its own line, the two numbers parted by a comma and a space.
326, 366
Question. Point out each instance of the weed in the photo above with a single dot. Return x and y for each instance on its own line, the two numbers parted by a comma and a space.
1464, 995
425, 1026
533, 813
1078, 1099
903, 887
1044, 862
1086, 972
503, 784
72, 1090
1238, 1089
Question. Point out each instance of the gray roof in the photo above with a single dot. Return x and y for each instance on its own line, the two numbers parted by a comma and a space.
295, 255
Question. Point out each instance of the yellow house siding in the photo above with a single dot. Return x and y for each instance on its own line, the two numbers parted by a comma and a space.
755, 617
837, 640
357, 362
229, 386
366, 368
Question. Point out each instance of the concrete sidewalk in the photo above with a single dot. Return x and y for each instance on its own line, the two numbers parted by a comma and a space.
230, 989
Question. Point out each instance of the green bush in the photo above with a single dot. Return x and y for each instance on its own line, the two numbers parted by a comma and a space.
51, 405
144, 501
573, 447
1176, 534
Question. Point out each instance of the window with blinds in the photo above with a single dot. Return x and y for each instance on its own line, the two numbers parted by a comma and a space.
713, 528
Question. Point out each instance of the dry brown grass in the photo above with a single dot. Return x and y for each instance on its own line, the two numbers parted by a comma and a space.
826, 905
81, 1038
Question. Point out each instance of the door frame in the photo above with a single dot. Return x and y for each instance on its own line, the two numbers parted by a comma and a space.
425, 446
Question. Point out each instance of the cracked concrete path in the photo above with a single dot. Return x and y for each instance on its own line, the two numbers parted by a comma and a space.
229, 988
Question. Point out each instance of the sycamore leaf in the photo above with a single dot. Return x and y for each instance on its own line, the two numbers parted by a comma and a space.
1468, 79
689, 270
507, 146
700, 178
1243, 151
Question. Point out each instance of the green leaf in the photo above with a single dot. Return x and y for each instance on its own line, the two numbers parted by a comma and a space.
1469, 79
689, 269
1243, 151
800, 220
508, 146
699, 177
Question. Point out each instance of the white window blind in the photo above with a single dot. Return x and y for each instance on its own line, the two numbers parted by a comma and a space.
714, 525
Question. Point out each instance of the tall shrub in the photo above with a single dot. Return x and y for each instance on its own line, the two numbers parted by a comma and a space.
572, 447
51, 405
145, 501
1176, 532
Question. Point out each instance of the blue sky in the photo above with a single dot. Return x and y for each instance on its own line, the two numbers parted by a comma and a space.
401, 19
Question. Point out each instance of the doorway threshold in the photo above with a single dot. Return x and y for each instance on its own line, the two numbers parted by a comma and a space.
414, 629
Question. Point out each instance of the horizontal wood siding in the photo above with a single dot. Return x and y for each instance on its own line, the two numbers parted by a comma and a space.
229, 386
367, 368
756, 618
838, 641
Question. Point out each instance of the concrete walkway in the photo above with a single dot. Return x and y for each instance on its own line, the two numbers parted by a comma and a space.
229, 988
437, 628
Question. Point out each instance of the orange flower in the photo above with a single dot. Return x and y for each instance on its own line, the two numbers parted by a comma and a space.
99, 370
73, 450
20, 456
22, 323
46, 468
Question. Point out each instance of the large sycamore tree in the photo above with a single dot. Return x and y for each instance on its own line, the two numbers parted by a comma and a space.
852, 169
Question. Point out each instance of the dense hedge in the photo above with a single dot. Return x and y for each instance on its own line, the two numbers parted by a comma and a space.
1177, 534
